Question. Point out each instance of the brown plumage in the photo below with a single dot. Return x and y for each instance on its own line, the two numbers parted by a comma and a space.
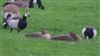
17, 0
28, 3
42, 35
9, 9
21, 0
22, 4
71, 36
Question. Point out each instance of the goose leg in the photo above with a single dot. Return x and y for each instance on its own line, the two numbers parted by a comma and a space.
31, 4
11, 30
40, 4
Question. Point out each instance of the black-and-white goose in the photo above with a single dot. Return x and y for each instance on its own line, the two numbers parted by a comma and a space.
18, 23
89, 32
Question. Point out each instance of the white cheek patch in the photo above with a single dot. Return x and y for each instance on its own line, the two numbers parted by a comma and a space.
34, 1
95, 33
84, 29
26, 15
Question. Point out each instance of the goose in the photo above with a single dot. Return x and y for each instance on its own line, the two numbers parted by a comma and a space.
89, 32
33, 2
20, 3
41, 35
18, 23
71, 36
28, 4
9, 8
19, 0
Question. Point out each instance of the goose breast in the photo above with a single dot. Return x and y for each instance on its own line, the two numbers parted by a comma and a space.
13, 24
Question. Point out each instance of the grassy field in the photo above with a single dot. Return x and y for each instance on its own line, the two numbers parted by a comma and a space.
60, 16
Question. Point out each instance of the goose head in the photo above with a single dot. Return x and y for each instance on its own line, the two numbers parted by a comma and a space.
26, 15
75, 36
89, 32
45, 34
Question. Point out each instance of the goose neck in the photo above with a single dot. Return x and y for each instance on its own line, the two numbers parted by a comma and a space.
24, 17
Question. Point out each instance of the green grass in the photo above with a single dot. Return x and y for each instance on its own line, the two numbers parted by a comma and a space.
60, 16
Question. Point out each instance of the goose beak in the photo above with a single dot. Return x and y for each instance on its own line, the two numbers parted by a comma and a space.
28, 15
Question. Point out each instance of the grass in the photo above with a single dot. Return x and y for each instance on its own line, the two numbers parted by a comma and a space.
60, 16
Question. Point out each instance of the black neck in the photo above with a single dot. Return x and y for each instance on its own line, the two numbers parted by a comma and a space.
24, 17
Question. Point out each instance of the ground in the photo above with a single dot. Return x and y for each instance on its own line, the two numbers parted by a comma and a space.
59, 17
